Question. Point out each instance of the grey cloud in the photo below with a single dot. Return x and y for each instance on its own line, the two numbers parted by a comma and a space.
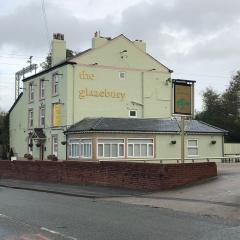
199, 20
25, 27
225, 45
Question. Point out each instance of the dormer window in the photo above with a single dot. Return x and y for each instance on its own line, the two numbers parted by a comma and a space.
31, 92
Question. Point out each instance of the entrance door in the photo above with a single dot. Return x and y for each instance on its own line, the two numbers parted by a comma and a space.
41, 149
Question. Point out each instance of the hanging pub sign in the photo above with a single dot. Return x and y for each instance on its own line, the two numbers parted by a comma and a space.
183, 96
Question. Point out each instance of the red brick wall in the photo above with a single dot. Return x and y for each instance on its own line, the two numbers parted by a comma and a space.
119, 174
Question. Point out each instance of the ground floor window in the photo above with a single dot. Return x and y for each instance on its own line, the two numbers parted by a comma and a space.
140, 148
86, 148
80, 148
110, 148
55, 145
192, 146
74, 148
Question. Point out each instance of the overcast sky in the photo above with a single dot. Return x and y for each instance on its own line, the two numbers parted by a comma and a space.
199, 40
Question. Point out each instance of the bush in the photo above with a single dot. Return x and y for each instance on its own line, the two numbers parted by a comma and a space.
52, 157
28, 156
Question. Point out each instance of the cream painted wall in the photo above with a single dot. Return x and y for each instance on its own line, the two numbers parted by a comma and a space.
145, 91
18, 129
146, 100
231, 148
133, 58
19, 115
165, 149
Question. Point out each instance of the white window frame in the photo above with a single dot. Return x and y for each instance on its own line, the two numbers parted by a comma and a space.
54, 144
77, 142
148, 156
30, 118
55, 84
81, 147
31, 92
132, 110
119, 75
192, 147
42, 116
42, 89
106, 138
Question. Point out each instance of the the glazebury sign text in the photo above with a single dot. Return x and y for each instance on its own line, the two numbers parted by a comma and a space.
104, 93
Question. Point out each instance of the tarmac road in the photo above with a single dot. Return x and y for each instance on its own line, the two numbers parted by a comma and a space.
48, 211
29, 215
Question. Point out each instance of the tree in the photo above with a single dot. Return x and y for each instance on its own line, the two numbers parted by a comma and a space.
4, 134
223, 110
212, 109
48, 61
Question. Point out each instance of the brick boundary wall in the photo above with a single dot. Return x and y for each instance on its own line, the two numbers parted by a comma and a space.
115, 174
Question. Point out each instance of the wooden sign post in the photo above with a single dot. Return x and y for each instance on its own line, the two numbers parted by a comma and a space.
183, 106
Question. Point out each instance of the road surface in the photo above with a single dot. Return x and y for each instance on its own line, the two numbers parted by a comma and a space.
29, 215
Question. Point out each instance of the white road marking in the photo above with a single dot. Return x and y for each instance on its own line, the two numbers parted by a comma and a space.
41, 228
4, 216
57, 233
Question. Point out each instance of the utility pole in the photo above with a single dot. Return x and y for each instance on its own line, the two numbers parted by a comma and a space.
21, 74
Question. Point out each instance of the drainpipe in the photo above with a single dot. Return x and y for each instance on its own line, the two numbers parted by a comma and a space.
73, 95
142, 82
223, 154
66, 147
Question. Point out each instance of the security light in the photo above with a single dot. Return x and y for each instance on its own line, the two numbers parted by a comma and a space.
168, 81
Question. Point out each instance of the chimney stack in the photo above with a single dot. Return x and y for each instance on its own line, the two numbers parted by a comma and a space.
58, 49
98, 41
140, 44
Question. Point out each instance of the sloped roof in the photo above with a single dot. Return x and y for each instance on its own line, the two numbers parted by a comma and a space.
141, 125
16, 101
113, 39
69, 60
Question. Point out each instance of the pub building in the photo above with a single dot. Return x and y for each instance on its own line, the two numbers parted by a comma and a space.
112, 101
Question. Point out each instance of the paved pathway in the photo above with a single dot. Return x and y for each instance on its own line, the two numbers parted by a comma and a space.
216, 197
